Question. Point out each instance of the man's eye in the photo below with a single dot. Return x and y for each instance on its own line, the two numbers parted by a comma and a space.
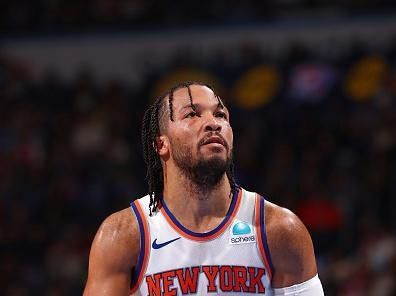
221, 114
191, 114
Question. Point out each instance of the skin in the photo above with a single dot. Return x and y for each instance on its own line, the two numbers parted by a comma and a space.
116, 245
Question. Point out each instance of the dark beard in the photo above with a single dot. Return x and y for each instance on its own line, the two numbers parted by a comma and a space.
204, 173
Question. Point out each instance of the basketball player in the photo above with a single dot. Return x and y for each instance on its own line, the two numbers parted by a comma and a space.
197, 232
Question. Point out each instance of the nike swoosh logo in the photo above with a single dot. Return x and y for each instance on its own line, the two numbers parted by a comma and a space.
161, 245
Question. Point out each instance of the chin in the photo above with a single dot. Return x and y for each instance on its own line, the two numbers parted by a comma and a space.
215, 157
209, 171
214, 161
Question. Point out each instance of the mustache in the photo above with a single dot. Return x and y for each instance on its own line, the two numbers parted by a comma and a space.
208, 137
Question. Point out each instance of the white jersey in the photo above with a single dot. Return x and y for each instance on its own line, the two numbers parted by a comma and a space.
232, 259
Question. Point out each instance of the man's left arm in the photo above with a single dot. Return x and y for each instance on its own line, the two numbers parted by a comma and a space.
292, 254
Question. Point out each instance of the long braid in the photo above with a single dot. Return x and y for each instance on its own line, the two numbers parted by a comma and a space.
231, 178
154, 174
150, 132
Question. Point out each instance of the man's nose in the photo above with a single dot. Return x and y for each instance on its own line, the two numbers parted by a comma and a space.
211, 124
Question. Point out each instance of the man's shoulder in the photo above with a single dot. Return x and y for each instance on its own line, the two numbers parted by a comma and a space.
118, 234
280, 218
123, 221
117, 242
288, 239
113, 254
282, 223
279, 221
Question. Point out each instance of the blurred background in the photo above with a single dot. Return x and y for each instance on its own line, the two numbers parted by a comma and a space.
312, 90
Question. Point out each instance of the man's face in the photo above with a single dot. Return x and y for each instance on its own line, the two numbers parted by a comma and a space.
201, 140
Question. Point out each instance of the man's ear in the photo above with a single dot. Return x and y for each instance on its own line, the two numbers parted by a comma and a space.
162, 145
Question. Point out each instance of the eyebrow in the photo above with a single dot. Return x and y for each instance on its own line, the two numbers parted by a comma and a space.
198, 106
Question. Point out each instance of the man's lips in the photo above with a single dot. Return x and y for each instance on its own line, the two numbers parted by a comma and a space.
213, 139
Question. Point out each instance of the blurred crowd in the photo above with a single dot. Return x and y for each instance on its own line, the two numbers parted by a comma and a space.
24, 16
312, 133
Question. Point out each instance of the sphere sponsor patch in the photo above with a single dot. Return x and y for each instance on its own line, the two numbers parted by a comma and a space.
242, 233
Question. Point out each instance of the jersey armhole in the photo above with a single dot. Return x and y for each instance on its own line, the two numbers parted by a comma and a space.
144, 252
262, 236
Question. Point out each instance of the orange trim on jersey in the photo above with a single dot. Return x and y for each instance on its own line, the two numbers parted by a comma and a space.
217, 232
146, 253
261, 242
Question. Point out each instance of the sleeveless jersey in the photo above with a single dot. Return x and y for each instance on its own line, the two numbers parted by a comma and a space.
232, 259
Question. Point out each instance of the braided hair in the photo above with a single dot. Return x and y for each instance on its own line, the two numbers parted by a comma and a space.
152, 123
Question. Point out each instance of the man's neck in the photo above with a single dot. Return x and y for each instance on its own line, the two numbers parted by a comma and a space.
198, 208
